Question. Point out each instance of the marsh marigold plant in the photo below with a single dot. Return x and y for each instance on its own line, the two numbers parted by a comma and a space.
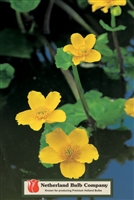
81, 49
42, 110
105, 4
71, 151
129, 107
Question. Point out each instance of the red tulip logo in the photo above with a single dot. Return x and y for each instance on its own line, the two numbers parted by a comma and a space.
33, 185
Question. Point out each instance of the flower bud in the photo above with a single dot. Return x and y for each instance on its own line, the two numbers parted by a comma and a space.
116, 11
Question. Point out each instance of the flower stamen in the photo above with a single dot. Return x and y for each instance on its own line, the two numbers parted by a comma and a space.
41, 113
70, 152
83, 50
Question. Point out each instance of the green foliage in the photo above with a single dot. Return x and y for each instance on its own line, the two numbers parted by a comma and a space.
131, 12
44, 144
82, 3
112, 68
112, 72
24, 5
129, 72
108, 28
15, 44
6, 75
104, 110
101, 45
103, 38
63, 60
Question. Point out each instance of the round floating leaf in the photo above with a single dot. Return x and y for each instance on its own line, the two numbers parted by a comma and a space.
24, 5
6, 75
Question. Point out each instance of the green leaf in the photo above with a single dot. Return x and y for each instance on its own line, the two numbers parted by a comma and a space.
74, 112
43, 144
15, 44
63, 59
108, 28
129, 72
124, 52
103, 38
111, 113
104, 110
65, 126
104, 50
6, 75
101, 46
24, 5
131, 12
82, 3
130, 60
112, 72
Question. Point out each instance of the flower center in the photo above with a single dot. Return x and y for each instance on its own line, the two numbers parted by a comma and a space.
42, 113
70, 152
83, 50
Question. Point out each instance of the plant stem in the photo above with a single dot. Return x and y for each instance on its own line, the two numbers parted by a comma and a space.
67, 75
130, 4
116, 44
82, 98
46, 27
20, 22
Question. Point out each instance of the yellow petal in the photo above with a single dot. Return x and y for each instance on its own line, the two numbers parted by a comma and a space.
105, 9
36, 125
48, 155
70, 48
57, 139
90, 40
119, 3
35, 99
56, 116
72, 169
97, 6
25, 117
78, 59
129, 107
93, 56
88, 153
28, 118
52, 100
77, 40
79, 137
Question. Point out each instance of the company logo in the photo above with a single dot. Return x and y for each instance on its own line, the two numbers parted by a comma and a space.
33, 185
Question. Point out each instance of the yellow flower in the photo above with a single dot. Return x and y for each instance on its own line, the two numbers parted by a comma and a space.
71, 151
81, 48
42, 110
129, 107
105, 4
